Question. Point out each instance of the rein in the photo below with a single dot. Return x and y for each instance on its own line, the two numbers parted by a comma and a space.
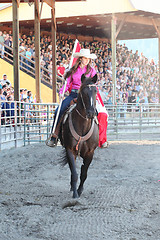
71, 127
81, 115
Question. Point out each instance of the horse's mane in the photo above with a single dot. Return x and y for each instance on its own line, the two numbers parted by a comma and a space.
88, 81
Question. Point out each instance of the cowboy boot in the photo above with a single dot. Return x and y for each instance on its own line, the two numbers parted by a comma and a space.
53, 139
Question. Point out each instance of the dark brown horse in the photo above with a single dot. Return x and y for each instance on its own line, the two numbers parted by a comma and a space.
79, 133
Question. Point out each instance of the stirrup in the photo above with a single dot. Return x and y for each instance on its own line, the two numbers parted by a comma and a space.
52, 140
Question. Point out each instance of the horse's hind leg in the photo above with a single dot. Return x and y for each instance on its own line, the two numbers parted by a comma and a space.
84, 168
74, 175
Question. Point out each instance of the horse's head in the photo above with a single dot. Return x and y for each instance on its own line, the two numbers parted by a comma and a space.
87, 95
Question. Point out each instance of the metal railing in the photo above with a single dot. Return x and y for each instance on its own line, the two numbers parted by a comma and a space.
26, 123
134, 122
28, 66
23, 123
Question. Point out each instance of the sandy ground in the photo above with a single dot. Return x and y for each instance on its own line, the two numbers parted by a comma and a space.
121, 199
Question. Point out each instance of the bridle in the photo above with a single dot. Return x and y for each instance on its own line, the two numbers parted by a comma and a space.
84, 105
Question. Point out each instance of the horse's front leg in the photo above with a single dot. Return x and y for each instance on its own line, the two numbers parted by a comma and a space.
84, 168
74, 175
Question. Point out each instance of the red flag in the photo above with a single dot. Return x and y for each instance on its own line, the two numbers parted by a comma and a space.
76, 48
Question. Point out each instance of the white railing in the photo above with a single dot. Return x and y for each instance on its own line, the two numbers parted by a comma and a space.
134, 122
28, 66
25, 123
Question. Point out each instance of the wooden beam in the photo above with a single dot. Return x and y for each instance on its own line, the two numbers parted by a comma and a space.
138, 19
51, 3
15, 49
54, 69
18, 2
37, 51
120, 26
37, 8
41, 9
113, 34
154, 24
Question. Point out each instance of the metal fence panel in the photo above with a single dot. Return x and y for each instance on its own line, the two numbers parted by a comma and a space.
26, 123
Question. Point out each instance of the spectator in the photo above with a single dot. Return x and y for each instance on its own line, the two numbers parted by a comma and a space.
2, 97
22, 51
28, 56
61, 70
8, 43
5, 81
1, 45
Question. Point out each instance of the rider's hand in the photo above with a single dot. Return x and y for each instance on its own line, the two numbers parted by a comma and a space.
60, 96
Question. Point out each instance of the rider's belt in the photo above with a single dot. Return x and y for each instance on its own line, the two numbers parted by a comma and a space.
74, 90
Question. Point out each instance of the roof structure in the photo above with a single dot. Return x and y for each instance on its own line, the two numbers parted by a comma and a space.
92, 19
24, 1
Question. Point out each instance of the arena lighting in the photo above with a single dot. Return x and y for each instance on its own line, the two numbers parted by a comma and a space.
98, 27
88, 26
48, 21
69, 24
79, 25
60, 22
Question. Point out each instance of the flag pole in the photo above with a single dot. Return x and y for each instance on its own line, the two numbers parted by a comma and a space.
64, 88
59, 108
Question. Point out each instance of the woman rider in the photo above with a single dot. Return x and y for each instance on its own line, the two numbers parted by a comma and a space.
82, 66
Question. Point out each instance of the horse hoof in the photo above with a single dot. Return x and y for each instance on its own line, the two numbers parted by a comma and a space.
80, 192
75, 195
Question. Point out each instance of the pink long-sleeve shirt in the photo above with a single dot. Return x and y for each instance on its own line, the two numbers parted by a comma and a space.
75, 79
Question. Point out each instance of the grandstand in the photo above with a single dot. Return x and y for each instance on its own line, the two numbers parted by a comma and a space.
132, 21
136, 80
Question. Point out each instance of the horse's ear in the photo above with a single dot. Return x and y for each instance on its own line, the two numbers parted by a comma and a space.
94, 79
82, 78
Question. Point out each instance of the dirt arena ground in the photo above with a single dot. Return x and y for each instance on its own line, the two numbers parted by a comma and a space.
121, 199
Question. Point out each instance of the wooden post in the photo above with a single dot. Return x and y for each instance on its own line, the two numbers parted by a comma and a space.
15, 49
54, 70
37, 51
113, 34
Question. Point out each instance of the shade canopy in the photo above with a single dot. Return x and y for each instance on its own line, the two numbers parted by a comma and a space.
91, 19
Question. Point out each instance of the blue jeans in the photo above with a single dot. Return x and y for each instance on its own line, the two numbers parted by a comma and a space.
64, 106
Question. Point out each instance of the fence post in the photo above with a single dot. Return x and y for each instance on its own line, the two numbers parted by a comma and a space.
48, 120
15, 123
140, 121
39, 121
24, 124
116, 112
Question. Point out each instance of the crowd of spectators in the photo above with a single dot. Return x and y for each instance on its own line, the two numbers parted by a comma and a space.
136, 76
7, 101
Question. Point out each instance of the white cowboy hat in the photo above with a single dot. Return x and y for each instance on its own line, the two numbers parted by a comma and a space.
84, 53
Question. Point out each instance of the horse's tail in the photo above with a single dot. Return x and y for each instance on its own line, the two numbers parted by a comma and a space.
64, 160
